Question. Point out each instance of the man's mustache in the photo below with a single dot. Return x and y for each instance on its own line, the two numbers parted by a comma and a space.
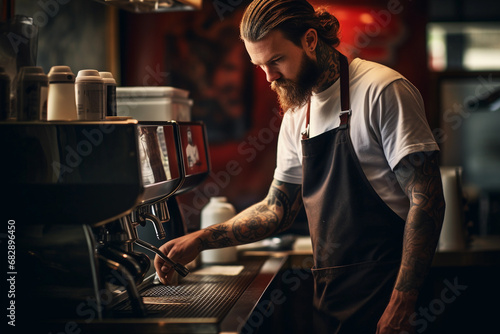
281, 83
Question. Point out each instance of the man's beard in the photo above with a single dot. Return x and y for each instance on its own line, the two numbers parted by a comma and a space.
295, 93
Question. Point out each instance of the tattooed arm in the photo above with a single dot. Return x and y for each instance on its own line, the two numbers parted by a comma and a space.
272, 215
419, 176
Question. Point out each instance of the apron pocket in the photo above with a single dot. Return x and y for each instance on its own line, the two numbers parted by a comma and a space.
357, 294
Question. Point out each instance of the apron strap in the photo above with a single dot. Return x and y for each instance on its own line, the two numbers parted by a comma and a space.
305, 133
345, 111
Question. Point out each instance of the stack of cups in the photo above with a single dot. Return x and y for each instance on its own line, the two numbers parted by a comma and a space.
89, 88
109, 93
61, 100
32, 91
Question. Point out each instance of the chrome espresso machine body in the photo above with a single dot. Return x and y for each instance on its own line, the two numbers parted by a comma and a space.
79, 192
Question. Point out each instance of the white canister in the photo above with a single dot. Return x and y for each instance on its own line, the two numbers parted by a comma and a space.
109, 93
452, 236
89, 88
61, 100
218, 210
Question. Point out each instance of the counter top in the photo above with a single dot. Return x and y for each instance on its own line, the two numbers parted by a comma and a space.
209, 302
480, 251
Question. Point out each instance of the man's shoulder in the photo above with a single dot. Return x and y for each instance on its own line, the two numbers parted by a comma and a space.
370, 71
371, 76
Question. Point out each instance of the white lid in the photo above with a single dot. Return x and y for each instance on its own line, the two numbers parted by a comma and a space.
107, 77
88, 76
154, 91
218, 199
61, 73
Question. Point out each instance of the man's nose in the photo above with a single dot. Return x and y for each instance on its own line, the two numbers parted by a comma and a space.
271, 74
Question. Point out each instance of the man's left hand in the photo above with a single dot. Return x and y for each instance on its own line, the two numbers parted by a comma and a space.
396, 317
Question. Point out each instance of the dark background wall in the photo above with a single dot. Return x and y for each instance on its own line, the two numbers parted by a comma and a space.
201, 52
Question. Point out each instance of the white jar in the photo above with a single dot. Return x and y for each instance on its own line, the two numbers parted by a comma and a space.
452, 236
61, 100
89, 88
109, 93
218, 210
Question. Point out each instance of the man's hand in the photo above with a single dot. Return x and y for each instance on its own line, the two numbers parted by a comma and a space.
396, 317
181, 250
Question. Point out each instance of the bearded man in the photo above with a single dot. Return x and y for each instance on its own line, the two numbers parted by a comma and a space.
356, 150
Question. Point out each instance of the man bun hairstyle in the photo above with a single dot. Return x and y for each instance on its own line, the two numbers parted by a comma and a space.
292, 17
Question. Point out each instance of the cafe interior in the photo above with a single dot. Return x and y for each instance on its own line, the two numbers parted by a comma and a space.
90, 207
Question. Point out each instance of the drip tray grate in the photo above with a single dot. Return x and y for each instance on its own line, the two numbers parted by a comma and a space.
196, 296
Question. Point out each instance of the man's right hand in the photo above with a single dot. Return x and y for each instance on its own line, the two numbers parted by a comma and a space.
182, 250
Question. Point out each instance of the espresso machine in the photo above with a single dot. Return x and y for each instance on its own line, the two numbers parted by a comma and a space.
78, 192
90, 204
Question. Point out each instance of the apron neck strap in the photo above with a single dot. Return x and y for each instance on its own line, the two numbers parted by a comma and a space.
345, 104
345, 111
344, 83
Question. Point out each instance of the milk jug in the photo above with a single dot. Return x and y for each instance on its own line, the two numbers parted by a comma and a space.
218, 210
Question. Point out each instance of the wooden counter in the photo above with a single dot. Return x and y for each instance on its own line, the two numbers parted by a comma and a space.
481, 251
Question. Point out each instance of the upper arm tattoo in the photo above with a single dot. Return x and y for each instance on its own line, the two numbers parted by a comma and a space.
420, 178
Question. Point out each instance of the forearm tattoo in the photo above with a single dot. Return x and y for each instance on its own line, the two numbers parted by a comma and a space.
218, 238
419, 176
258, 224
275, 214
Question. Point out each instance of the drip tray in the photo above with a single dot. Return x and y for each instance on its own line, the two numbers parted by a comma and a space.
209, 300
208, 293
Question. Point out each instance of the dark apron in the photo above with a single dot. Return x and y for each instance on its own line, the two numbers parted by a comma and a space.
356, 237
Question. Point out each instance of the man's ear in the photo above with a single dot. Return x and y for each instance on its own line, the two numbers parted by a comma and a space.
310, 40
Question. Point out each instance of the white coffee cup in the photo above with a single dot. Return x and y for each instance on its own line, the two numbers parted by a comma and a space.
89, 89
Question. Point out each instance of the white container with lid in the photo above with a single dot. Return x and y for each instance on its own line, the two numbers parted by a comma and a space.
453, 235
154, 103
61, 100
89, 88
218, 210
109, 93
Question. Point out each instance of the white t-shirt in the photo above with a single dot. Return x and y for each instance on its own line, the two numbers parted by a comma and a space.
387, 123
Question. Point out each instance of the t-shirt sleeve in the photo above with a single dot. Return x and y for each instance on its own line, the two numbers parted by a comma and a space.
399, 123
288, 164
